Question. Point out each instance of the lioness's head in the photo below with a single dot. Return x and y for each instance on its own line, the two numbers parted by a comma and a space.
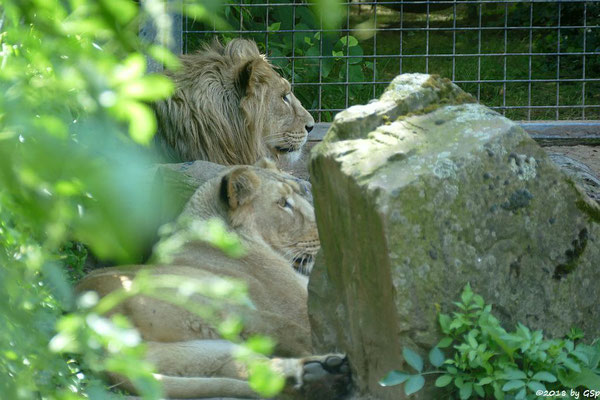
268, 102
266, 203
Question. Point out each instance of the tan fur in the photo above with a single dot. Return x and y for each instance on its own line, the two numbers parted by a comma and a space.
229, 108
193, 361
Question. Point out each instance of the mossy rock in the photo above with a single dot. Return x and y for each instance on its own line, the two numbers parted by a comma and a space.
422, 191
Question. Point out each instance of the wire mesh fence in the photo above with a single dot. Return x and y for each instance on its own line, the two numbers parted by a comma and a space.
530, 60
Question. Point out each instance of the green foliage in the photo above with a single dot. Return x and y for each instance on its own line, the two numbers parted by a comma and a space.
75, 122
489, 362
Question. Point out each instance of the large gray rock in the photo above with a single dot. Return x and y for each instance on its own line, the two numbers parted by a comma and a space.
423, 191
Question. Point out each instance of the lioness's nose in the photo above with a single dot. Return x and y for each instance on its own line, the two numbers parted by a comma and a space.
309, 127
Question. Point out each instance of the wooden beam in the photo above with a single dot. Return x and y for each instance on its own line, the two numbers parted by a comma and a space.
546, 133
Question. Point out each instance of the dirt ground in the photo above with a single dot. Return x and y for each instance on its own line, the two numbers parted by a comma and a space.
589, 155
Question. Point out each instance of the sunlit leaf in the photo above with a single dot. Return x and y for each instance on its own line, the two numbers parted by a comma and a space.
331, 11
261, 344
142, 123
264, 380
165, 57
133, 67
149, 88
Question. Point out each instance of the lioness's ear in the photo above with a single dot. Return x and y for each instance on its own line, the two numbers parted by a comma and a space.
238, 187
266, 163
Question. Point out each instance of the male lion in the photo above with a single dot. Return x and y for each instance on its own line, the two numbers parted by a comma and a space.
276, 225
230, 107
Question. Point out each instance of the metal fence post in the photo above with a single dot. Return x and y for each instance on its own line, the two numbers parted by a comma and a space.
174, 43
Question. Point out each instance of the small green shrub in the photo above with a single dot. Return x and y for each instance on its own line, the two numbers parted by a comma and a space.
489, 362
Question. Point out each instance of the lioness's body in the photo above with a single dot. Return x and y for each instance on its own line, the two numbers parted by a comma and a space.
276, 225
230, 107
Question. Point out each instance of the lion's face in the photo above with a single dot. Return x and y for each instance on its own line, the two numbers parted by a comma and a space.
231, 108
271, 205
271, 108
289, 123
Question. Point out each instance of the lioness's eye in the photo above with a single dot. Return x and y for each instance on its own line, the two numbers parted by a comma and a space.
283, 202
287, 98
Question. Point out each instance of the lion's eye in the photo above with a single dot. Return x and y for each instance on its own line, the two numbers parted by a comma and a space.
287, 98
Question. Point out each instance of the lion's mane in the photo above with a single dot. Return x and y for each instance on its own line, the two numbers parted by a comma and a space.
221, 111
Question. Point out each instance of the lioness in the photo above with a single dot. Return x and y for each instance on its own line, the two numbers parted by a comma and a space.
276, 225
230, 107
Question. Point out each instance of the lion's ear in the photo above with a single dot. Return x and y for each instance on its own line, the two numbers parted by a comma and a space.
267, 163
251, 74
239, 187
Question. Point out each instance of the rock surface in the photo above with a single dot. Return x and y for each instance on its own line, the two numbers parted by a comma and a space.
423, 191
581, 174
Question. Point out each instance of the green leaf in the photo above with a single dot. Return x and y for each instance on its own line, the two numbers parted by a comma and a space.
513, 385
133, 67
544, 376
414, 384
355, 73
467, 294
56, 280
327, 65
436, 357
536, 386
142, 123
586, 378
264, 380
466, 391
572, 365
498, 393
479, 390
471, 339
485, 381
512, 374
122, 10
149, 88
581, 356
274, 26
443, 380
521, 395
478, 300
351, 40
413, 359
445, 342
445, 322
356, 52
394, 378
164, 56
261, 344
330, 11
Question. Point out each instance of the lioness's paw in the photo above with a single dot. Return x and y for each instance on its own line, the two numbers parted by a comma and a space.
325, 377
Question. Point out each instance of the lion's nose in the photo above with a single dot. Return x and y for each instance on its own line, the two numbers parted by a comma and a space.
309, 127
